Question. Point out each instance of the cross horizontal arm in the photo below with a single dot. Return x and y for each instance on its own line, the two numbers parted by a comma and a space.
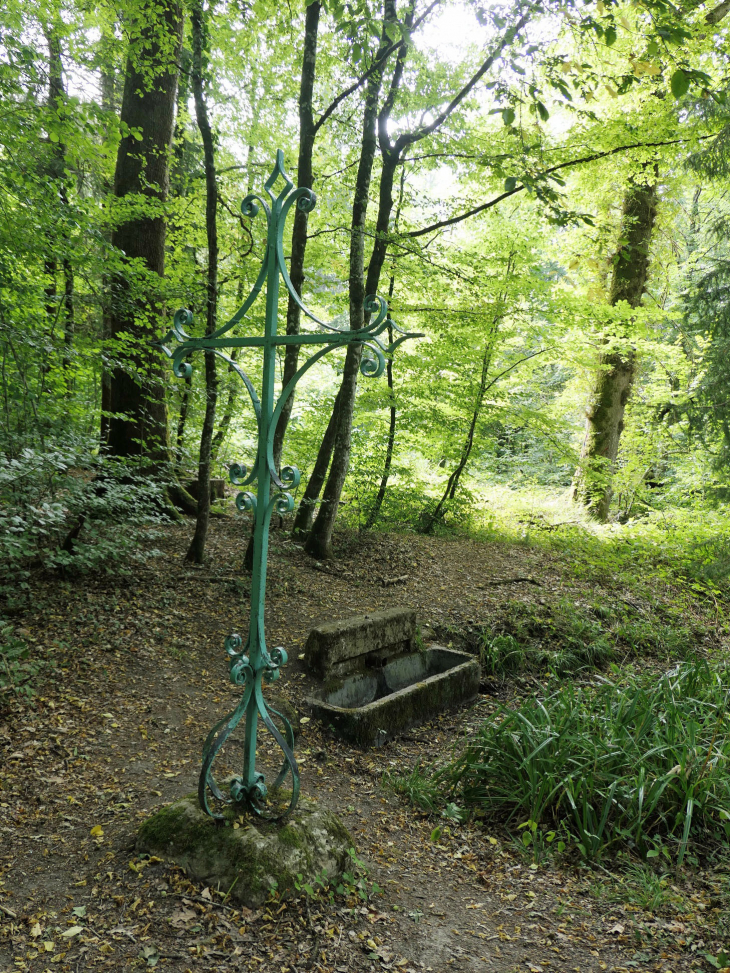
332, 338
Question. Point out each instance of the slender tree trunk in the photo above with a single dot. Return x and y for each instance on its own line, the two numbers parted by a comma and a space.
138, 424
299, 229
390, 443
108, 106
319, 542
304, 517
69, 322
182, 418
234, 383
59, 238
374, 512
227, 416
605, 413
197, 545
429, 519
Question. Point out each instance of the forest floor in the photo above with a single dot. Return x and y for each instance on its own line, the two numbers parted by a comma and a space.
134, 677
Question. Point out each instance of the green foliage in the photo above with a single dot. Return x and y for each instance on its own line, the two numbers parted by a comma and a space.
569, 638
354, 883
640, 763
60, 508
18, 668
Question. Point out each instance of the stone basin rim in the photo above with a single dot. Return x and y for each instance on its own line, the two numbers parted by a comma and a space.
469, 661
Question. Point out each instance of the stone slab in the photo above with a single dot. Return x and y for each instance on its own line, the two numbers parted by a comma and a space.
338, 647
255, 858
372, 723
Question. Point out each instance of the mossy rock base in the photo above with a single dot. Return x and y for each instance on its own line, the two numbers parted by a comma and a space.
253, 859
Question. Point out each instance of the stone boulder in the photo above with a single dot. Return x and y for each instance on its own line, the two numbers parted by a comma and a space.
255, 858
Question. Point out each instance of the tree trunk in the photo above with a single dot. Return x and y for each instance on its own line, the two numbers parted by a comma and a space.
182, 419
605, 413
307, 134
138, 424
390, 443
227, 417
374, 511
304, 517
54, 310
69, 322
196, 550
429, 519
319, 542
108, 106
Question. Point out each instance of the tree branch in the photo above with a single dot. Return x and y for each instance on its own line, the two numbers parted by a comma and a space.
408, 138
373, 67
562, 165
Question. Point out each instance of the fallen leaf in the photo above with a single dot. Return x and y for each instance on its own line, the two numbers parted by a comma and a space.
73, 931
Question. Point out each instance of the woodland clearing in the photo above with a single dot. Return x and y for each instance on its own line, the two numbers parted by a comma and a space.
134, 676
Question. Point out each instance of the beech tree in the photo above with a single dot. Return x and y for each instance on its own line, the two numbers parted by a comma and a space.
138, 422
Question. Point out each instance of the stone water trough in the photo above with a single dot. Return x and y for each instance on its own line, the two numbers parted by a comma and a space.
377, 683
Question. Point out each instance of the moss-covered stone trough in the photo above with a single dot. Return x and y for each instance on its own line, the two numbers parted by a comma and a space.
373, 706
253, 859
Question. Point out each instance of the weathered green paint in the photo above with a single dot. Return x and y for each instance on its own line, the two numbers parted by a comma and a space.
252, 664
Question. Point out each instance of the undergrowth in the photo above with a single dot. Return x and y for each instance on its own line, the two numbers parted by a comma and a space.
570, 637
641, 765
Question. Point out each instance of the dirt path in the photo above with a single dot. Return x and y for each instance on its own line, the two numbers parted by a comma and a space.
136, 676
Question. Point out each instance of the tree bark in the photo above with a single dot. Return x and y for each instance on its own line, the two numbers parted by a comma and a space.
605, 413
109, 107
138, 423
393, 417
59, 239
196, 550
182, 418
319, 542
307, 134
304, 517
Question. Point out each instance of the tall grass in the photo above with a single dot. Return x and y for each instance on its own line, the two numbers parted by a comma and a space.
640, 765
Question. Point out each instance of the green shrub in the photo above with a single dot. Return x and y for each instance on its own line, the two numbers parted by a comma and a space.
45, 494
642, 765
18, 667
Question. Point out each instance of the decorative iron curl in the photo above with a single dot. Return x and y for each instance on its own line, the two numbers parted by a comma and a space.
250, 206
246, 502
377, 305
183, 319
307, 201
290, 477
273, 661
372, 367
239, 474
233, 644
181, 368
240, 672
282, 503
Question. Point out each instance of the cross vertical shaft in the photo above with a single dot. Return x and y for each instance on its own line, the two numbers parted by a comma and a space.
251, 664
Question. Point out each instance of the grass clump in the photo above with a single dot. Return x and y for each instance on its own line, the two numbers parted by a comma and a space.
643, 766
567, 638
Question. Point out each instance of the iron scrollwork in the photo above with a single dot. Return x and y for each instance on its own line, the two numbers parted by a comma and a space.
251, 664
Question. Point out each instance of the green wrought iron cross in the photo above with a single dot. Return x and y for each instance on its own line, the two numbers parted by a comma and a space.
252, 664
